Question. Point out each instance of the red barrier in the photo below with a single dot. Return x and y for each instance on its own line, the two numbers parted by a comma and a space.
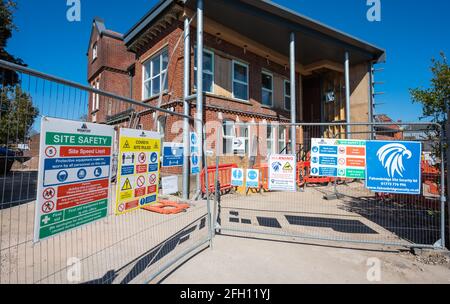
224, 177
263, 176
304, 175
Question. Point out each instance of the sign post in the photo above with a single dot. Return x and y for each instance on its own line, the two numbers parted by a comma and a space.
138, 170
73, 179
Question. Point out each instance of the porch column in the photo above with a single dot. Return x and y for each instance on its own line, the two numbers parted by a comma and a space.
293, 92
199, 129
347, 93
186, 92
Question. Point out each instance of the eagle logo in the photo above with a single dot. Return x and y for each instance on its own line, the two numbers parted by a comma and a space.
391, 157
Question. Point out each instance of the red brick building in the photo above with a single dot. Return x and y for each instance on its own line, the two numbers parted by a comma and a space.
246, 70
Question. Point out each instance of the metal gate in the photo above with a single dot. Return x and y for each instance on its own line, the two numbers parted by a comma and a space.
328, 208
131, 248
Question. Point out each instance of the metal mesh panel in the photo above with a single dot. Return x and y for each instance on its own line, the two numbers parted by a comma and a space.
131, 248
328, 208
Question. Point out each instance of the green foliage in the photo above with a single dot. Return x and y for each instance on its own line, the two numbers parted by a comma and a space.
434, 98
7, 8
17, 115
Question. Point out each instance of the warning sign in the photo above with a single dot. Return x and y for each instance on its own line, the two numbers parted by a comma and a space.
338, 158
282, 169
126, 185
139, 155
73, 179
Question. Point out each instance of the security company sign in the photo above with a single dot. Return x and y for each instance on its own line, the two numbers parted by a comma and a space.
282, 170
195, 153
252, 178
237, 177
73, 179
173, 154
338, 158
138, 169
394, 167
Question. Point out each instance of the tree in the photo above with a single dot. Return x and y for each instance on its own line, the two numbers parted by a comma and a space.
434, 98
17, 115
7, 26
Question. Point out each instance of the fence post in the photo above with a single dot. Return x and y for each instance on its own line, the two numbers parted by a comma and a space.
446, 156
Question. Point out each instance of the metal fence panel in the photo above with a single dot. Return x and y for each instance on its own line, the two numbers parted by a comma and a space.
131, 248
331, 209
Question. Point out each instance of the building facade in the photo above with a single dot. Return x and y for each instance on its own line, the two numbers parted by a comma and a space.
246, 74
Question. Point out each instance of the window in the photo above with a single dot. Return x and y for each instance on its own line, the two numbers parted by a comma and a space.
287, 95
282, 139
228, 136
208, 71
161, 127
267, 89
96, 97
270, 145
155, 70
94, 51
240, 80
244, 132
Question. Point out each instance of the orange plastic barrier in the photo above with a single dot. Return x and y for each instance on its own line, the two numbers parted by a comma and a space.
224, 177
304, 175
167, 207
263, 176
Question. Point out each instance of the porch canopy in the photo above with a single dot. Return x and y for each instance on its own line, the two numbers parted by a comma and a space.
270, 25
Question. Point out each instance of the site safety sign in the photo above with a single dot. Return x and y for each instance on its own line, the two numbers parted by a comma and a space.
173, 154
195, 153
73, 178
338, 158
138, 169
237, 177
282, 172
394, 167
252, 178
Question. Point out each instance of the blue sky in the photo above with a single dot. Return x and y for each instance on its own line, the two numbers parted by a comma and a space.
412, 32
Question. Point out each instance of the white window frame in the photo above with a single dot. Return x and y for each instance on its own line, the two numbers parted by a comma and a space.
228, 137
95, 96
245, 126
151, 77
94, 51
282, 139
239, 81
270, 139
285, 95
205, 71
267, 90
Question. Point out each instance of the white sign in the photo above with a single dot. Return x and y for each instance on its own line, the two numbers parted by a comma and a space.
282, 173
237, 177
239, 144
169, 184
252, 180
73, 180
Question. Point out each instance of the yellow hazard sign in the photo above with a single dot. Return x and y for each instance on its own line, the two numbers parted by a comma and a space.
127, 185
139, 157
287, 166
